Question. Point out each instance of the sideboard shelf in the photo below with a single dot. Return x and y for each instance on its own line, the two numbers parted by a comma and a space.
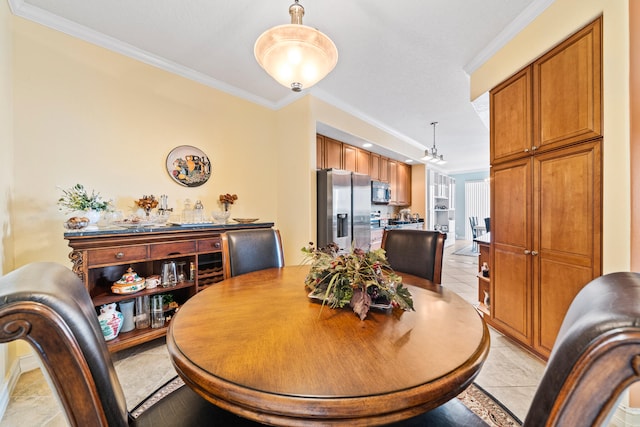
101, 257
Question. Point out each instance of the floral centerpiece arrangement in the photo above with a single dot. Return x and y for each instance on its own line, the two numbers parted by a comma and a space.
227, 199
357, 278
147, 203
77, 198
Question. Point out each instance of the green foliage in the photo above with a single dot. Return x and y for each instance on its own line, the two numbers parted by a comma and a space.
77, 198
357, 278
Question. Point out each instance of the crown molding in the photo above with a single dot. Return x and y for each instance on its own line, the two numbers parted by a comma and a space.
509, 32
40, 16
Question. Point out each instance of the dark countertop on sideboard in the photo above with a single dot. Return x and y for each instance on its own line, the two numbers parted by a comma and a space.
115, 230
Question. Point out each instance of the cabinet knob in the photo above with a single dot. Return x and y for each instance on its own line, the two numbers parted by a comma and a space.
526, 150
119, 255
534, 253
534, 148
527, 251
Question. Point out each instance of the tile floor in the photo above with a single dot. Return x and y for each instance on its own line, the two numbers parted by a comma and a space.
510, 374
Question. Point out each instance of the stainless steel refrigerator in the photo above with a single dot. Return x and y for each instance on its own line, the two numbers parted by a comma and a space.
344, 209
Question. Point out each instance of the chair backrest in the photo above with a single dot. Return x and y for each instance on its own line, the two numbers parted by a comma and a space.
487, 224
473, 221
595, 357
417, 252
245, 251
47, 305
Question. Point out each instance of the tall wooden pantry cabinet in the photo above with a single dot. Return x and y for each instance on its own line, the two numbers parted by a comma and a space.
546, 189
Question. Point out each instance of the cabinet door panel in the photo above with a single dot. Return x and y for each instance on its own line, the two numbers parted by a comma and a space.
558, 285
511, 236
363, 161
349, 158
511, 117
511, 204
333, 153
374, 171
393, 181
320, 162
384, 169
567, 90
568, 241
511, 292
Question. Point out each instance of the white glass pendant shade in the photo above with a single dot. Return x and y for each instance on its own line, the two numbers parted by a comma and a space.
295, 55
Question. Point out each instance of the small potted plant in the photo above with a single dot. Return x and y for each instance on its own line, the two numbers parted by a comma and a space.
77, 198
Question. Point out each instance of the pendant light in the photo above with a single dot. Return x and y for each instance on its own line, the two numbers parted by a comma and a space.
433, 156
295, 55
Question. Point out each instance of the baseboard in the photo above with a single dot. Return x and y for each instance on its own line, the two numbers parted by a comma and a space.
23, 364
624, 416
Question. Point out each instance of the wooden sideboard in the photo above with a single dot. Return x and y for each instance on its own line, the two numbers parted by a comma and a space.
101, 257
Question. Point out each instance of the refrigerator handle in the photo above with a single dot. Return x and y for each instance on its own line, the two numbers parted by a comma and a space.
343, 225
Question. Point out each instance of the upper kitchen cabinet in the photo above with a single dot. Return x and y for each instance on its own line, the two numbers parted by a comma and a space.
567, 90
511, 118
356, 159
554, 102
338, 155
328, 153
399, 183
375, 167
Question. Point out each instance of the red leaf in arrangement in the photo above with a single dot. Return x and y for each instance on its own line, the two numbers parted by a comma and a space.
360, 302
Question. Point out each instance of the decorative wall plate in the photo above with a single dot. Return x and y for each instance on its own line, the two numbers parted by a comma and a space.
188, 166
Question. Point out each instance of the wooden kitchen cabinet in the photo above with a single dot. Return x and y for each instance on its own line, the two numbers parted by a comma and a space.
567, 85
332, 153
546, 189
546, 239
393, 181
554, 102
403, 182
375, 167
100, 258
399, 183
356, 159
511, 118
384, 169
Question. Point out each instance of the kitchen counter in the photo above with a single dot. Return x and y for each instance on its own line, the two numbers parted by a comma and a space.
484, 238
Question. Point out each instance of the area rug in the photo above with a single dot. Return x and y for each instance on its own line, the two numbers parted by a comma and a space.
466, 251
484, 405
479, 401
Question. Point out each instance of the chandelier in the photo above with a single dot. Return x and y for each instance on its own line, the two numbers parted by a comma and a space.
432, 155
295, 55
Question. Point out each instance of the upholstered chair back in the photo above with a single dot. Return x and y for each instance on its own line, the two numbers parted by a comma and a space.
245, 251
416, 252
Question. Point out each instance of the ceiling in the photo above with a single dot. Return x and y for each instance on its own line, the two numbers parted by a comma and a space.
401, 65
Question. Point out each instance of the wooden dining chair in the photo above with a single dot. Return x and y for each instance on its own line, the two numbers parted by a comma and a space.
417, 252
47, 305
596, 356
244, 251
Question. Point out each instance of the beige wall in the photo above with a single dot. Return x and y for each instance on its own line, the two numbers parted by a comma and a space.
6, 137
560, 20
86, 115
8, 352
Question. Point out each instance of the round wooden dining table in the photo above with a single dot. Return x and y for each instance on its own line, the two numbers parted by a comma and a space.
258, 346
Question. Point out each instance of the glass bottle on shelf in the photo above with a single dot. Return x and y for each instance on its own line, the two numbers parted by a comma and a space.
187, 212
198, 212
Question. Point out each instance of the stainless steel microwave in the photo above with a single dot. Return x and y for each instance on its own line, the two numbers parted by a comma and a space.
380, 192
